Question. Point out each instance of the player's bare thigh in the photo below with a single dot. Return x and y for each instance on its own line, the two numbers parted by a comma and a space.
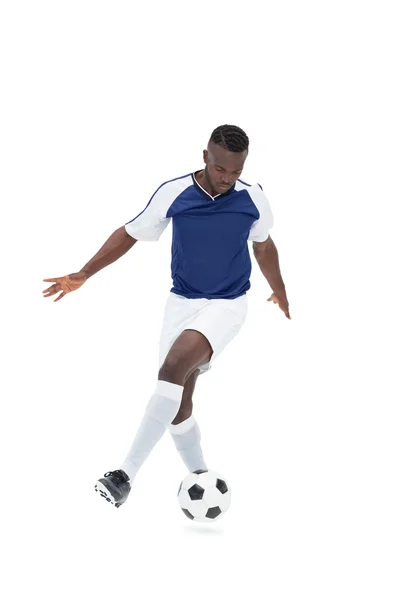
189, 351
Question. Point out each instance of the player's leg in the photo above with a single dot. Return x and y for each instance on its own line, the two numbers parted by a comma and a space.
185, 431
189, 351
186, 407
220, 321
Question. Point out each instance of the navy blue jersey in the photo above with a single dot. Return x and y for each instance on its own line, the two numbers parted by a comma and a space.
209, 255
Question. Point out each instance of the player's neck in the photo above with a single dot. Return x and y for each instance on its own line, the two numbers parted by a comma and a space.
202, 180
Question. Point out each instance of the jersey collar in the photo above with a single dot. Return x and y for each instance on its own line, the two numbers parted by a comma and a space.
206, 194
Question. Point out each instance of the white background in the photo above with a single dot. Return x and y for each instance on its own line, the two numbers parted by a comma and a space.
101, 102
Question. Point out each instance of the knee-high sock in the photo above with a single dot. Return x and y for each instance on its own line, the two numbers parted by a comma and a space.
186, 436
160, 411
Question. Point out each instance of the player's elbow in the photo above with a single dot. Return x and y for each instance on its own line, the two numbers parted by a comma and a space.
260, 247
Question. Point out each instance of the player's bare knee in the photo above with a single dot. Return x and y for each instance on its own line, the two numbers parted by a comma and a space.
172, 372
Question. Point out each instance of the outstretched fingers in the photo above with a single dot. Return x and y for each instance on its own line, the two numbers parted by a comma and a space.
53, 288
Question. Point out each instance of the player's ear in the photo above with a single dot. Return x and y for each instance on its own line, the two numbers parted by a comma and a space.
205, 156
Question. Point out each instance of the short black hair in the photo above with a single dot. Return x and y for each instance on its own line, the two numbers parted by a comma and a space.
231, 138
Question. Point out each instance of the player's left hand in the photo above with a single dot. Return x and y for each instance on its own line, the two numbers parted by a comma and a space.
283, 303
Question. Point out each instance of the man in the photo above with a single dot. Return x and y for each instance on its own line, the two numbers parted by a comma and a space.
214, 216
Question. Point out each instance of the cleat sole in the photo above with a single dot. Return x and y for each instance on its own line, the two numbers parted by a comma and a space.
105, 493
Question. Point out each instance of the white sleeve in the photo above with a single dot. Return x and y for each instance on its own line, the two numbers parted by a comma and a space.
152, 221
259, 231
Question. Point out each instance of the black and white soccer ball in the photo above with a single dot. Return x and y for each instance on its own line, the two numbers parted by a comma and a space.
204, 496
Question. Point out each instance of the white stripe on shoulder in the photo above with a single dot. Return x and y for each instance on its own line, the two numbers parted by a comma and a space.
242, 185
259, 231
152, 221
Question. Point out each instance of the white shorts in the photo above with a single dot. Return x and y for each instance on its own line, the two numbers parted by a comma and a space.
218, 319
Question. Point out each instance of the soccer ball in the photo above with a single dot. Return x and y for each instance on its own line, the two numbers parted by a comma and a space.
204, 496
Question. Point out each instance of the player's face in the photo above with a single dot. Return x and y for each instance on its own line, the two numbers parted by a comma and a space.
223, 168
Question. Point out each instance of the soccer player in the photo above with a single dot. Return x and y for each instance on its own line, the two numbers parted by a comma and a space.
214, 215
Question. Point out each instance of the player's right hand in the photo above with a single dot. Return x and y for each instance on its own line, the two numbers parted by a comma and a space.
66, 284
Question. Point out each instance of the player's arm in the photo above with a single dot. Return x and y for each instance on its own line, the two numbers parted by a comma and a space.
149, 224
116, 246
266, 255
260, 246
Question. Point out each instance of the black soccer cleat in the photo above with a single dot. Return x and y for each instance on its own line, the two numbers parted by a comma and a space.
114, 487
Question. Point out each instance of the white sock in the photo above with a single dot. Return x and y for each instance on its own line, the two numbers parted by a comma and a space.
186, 436
160, 411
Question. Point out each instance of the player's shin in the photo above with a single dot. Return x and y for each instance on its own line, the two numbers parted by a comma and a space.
186, 436
160, 411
